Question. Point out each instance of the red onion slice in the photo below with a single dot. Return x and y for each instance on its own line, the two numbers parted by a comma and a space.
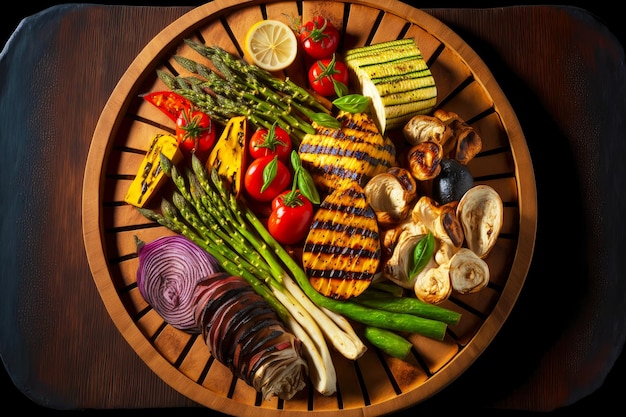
170, 268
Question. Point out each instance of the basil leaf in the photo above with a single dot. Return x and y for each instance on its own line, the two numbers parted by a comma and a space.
295, 160
422, 253
306, 185
340, 88
326, 120
269, 173
352, 103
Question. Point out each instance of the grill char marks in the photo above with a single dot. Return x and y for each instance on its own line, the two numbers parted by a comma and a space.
342, 251
353, 153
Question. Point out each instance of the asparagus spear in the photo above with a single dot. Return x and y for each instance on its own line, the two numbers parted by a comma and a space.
238, 88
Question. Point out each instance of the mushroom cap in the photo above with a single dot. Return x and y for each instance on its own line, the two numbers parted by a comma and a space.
481, 213
468, 272
390, 195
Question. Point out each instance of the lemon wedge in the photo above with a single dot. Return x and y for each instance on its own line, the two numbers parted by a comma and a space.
271, 45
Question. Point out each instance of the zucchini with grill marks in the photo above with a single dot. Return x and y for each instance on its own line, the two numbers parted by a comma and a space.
395, 76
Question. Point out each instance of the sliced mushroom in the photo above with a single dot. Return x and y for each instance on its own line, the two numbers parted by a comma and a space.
405, 177
432, 285
468, 272
390, 197
442, 220
444, 252
481, 213
423, 160
422, 128
397, 267
467, 143
391, 236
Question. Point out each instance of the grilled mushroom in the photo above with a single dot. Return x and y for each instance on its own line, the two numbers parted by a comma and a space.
442, 220
444, 252
468, 272
391, 236
390, 196
423, 160
421, 128
397, 267
480, 212
433, 285
467, 142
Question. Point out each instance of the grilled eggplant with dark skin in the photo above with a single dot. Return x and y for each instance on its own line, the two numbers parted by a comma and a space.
245, 334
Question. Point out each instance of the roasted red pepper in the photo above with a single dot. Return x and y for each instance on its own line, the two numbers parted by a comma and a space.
170, 103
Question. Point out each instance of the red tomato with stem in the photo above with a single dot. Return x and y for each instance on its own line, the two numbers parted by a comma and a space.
195, 132
272, 141
319, 37
329, 77
291, 217
169, 102
266, 177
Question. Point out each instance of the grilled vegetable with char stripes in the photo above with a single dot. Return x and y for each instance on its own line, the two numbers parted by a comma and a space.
353, 153
342, 250
396, 77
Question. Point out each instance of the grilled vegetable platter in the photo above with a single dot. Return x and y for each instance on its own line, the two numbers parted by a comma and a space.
342, 226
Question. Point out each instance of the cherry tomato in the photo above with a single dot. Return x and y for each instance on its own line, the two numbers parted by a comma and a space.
319, 37
272, 141
170, 103
291, 217
329, 77
266, 177
195, 132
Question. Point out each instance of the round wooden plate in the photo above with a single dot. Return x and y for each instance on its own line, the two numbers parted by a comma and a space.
379, 383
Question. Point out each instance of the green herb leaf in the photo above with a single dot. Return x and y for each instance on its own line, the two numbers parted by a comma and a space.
295, 160
303, 179
422, 253
269, 173
340, 88
307, 186
352, 103
326, 120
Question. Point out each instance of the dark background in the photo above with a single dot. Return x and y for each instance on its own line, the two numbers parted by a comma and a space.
608, 397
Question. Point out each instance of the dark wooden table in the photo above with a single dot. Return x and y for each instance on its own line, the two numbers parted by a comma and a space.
563, 71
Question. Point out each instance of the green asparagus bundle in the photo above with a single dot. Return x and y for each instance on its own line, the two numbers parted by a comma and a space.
241, 89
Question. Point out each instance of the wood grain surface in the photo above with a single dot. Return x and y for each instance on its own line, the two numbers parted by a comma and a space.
62, 352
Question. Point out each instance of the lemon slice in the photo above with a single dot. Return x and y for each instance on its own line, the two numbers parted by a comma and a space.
271, 45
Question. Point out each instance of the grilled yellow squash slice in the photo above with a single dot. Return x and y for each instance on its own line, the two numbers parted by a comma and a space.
353, 153
342, 250
228, 155
150, 175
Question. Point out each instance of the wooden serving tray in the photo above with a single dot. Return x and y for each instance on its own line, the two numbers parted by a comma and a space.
465, 86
